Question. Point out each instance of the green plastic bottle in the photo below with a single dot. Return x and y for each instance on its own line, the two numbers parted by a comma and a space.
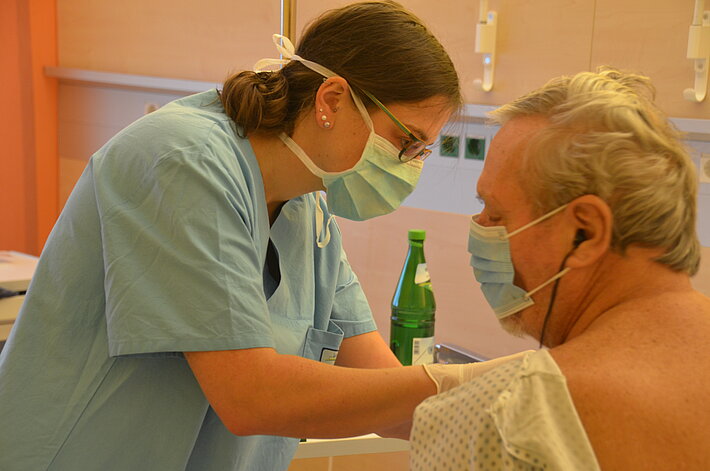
413, 308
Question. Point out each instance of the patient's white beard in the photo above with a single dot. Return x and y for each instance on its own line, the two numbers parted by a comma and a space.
513, 324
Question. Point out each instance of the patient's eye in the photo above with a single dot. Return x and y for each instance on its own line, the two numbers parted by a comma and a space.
486, 218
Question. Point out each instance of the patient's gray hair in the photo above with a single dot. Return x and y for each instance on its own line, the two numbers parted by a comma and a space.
607, 138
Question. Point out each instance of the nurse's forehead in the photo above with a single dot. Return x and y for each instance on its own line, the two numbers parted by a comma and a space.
424, 118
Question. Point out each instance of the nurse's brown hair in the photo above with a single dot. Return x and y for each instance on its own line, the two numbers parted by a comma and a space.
379, 47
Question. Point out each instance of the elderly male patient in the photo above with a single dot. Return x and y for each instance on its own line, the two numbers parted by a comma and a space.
587, 243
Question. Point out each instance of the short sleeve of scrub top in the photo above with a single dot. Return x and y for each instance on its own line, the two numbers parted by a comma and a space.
181, 240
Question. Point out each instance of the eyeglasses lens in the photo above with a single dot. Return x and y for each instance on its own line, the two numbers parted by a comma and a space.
413, 150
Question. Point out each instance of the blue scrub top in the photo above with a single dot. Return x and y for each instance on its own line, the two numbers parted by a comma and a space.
161, 249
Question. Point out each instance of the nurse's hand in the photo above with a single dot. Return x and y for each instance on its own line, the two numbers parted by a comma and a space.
449, 376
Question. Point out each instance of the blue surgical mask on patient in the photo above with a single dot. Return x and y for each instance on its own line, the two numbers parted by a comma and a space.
376, 185
493, 267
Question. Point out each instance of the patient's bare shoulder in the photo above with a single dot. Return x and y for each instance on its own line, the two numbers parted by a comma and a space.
639, 382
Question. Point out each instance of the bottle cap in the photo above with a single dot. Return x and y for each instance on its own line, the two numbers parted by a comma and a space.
417, 234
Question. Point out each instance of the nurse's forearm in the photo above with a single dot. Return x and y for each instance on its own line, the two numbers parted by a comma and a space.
366, 351
259, 392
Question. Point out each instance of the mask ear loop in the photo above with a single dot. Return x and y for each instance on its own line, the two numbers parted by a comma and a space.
538, 220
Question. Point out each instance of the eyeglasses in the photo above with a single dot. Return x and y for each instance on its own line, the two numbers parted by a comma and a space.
412, 146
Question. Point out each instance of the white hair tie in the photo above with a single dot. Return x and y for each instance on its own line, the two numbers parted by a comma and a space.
288, 52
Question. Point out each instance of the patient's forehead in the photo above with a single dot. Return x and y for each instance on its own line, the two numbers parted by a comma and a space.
502, 164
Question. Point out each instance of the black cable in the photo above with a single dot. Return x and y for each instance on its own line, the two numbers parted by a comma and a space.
6, 293
553, 296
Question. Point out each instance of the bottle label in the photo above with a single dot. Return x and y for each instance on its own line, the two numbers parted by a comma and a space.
328, 356
422, 275
423, 351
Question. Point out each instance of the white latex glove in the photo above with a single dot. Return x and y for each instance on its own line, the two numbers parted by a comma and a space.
449, 376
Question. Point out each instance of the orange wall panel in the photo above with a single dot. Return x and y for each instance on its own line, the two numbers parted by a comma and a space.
15, 225
28, 176
43, 27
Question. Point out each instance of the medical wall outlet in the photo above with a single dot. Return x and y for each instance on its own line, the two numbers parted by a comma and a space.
486, 45
475, 148
449, 146
699, 51
704, 171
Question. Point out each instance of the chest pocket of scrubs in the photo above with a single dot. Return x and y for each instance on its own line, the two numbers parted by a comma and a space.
323, 345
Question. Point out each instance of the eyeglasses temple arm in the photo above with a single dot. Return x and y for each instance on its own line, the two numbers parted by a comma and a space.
388, 113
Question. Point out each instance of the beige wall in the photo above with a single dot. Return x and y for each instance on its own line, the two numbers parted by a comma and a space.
650, 37
536, 40
546, 38
88, 116
166, 38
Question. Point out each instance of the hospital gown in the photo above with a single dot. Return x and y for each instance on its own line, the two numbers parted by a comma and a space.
518, 416
161, 249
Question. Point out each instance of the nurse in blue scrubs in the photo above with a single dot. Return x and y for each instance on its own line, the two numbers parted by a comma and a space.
193, 307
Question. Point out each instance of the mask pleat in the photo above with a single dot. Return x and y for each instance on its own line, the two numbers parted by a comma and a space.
345, 207
493, 267
356, 184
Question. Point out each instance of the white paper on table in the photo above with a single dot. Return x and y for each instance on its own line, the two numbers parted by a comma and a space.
16, 270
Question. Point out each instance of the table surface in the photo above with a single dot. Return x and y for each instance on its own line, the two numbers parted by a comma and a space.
9, 307
315, 448
16, 270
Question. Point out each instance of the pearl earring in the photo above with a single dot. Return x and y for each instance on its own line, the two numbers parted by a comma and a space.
324, 119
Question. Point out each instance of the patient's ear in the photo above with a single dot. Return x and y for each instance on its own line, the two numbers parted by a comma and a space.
592, 222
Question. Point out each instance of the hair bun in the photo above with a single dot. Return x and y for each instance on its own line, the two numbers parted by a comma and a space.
256, 100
